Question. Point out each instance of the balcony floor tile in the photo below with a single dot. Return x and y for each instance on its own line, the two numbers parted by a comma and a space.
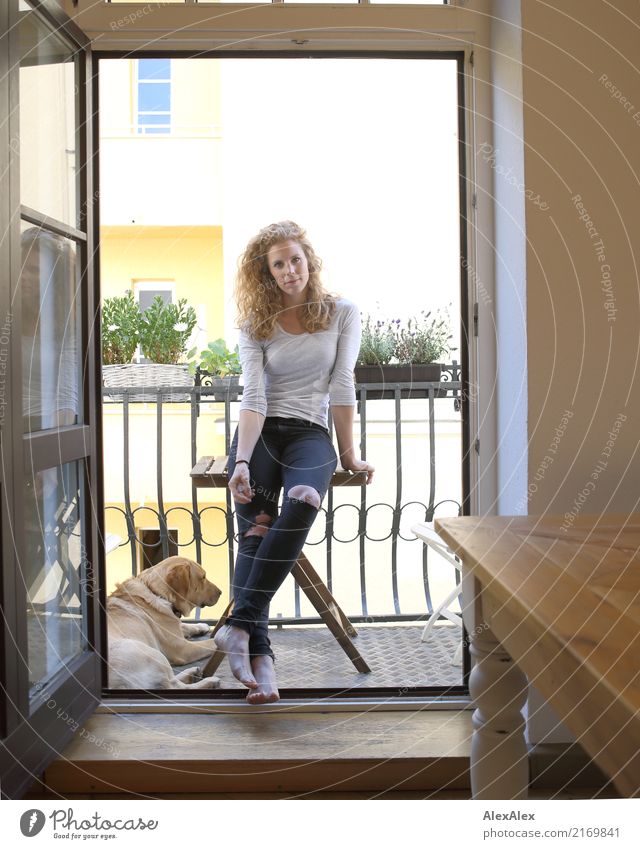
310, 657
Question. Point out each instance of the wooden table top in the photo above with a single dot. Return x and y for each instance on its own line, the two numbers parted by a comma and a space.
563, 597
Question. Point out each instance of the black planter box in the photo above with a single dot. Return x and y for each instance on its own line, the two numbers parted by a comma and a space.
223, 387
412, 373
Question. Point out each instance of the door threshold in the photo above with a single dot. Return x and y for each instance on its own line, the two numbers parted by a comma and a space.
245, 751
332, 705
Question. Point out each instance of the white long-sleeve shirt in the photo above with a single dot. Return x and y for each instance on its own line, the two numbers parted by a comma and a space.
299, 375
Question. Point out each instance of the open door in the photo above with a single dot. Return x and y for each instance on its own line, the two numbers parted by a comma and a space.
50, 488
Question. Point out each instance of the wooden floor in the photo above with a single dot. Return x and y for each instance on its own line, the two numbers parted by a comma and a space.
274, 755
39, 791
265, 752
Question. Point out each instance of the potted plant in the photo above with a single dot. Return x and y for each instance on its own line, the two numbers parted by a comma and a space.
395, 352
120, 337
218, 367
120, 329
163, 331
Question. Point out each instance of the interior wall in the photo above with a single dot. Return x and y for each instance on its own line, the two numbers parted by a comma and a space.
582, 131
582, 156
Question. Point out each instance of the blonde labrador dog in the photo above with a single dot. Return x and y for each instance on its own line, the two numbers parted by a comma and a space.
145, 632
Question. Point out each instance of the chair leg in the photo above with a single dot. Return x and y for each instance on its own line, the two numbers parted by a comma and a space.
330, 612
221, 621
213, 663
443, 608
327, 597
218, 656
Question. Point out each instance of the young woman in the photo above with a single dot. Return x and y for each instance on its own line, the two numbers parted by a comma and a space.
298, 348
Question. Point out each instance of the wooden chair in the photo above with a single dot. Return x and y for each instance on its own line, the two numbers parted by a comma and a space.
212, 472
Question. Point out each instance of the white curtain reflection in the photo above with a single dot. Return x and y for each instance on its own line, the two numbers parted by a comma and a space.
50, 346
48, 121
54, 570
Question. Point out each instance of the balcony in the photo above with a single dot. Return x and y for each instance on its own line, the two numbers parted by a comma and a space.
385, 579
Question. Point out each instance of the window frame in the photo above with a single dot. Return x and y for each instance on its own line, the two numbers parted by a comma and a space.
32, 729
147, 129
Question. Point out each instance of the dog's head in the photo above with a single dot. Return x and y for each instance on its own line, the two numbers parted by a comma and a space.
183, 582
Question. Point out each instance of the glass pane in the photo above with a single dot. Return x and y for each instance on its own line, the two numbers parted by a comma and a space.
51, 365
154, 97
150, 6
54, 571
155, 118
154, 69
48, 122
160, 123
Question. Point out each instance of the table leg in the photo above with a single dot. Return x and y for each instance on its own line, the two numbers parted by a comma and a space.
499, 762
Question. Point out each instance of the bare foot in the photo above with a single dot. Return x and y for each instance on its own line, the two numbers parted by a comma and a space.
234, 642
265, 673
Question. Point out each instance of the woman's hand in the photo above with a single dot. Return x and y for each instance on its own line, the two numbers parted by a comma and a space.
359, 466
240, 484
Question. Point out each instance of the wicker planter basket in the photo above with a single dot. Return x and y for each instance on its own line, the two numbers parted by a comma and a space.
399, 373
149, 375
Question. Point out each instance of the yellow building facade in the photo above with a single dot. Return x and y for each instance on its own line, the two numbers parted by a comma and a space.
161, 230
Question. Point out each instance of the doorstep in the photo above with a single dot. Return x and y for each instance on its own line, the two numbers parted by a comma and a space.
260, 751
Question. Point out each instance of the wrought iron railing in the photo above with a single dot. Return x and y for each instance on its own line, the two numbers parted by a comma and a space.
446, 391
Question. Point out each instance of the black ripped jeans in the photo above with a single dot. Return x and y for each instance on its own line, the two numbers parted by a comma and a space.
289, 452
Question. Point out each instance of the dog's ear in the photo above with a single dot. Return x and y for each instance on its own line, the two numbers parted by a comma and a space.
177, 579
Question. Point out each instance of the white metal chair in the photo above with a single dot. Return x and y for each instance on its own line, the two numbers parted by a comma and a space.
426, 532
111, 542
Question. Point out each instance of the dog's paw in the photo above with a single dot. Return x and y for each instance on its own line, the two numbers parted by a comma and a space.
190, 676
195, 630
212, 682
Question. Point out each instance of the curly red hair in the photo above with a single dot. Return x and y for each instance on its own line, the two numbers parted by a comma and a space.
258, 297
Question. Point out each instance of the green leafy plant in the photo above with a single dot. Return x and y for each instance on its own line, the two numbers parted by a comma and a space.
423, 340
217, 360
165, 330
120, 329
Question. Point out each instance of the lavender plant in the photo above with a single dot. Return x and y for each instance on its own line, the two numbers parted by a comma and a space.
378, 342
423, 340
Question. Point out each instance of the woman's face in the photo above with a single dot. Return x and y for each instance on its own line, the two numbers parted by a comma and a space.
289, 268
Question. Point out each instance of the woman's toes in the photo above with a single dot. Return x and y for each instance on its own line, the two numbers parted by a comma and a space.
267, 689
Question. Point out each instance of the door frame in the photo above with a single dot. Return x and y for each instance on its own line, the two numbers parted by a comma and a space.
464, 63
88, 679
36, 730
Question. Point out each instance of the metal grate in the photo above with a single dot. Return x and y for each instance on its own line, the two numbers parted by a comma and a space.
310, 658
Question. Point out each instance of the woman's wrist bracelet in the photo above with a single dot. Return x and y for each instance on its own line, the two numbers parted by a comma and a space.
242, 461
